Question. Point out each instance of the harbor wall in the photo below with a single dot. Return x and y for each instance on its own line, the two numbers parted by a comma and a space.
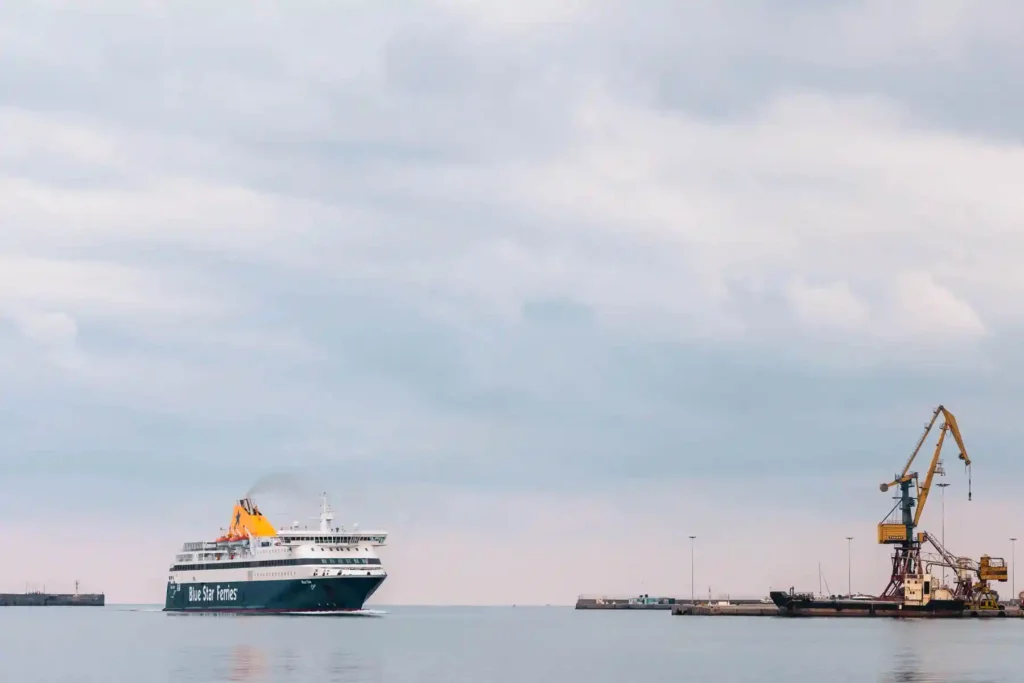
750, 609
52, 600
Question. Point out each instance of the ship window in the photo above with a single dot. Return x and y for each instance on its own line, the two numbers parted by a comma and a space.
275, 563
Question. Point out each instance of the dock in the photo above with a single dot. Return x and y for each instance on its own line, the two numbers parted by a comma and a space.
765, 610
913, 590
650, 602
640, 602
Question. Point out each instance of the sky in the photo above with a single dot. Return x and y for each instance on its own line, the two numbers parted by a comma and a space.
541, 288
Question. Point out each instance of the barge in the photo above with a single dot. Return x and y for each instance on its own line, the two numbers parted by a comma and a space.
792, 604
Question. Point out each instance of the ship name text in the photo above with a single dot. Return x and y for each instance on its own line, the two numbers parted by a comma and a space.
208, 594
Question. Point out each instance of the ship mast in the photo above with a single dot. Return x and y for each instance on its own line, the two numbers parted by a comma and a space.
326, 516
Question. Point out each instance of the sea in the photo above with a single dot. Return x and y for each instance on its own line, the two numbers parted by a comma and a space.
136, 644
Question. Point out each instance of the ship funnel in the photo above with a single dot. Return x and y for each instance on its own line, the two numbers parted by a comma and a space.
247, 520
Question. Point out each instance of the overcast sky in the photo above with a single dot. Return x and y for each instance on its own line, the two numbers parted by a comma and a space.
542, 287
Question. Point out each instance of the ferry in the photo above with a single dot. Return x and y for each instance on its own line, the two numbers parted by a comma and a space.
256, 568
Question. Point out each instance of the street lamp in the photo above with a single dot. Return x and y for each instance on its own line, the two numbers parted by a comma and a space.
849, 573
692, 596
1013, 568
943, 486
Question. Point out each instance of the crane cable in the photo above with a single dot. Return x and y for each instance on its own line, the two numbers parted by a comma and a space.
968, 482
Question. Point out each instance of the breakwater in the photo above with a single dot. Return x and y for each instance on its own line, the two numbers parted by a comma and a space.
52, 599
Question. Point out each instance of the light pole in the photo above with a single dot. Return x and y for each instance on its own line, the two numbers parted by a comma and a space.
849, 573
943, 485
1013, 568
692, 596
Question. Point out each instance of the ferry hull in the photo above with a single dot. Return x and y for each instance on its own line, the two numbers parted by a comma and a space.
334, 594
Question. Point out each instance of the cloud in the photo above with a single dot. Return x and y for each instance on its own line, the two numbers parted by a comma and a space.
829, 306
49, 329
928, 308
524, 257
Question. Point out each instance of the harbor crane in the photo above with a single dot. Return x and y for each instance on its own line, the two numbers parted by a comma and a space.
902, 532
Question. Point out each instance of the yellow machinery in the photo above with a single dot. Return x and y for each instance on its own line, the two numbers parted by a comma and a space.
992, 569
989, 569
901, 531
972, 578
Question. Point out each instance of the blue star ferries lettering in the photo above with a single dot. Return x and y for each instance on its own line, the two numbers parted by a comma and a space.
208, 594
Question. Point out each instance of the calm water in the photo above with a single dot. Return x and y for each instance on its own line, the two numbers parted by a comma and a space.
495, 645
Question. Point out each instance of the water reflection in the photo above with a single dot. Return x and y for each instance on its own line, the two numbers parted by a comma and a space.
248, 664
257, 662
495, 645
287, 663
931, 652
347, 667
907, 669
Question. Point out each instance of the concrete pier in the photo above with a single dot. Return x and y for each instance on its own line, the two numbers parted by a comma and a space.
644, 602
753, 609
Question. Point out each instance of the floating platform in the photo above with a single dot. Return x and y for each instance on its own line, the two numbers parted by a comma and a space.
52, 599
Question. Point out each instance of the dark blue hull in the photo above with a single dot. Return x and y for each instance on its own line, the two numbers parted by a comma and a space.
334, 594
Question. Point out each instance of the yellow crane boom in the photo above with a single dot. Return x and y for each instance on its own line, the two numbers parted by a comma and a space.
903, 531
